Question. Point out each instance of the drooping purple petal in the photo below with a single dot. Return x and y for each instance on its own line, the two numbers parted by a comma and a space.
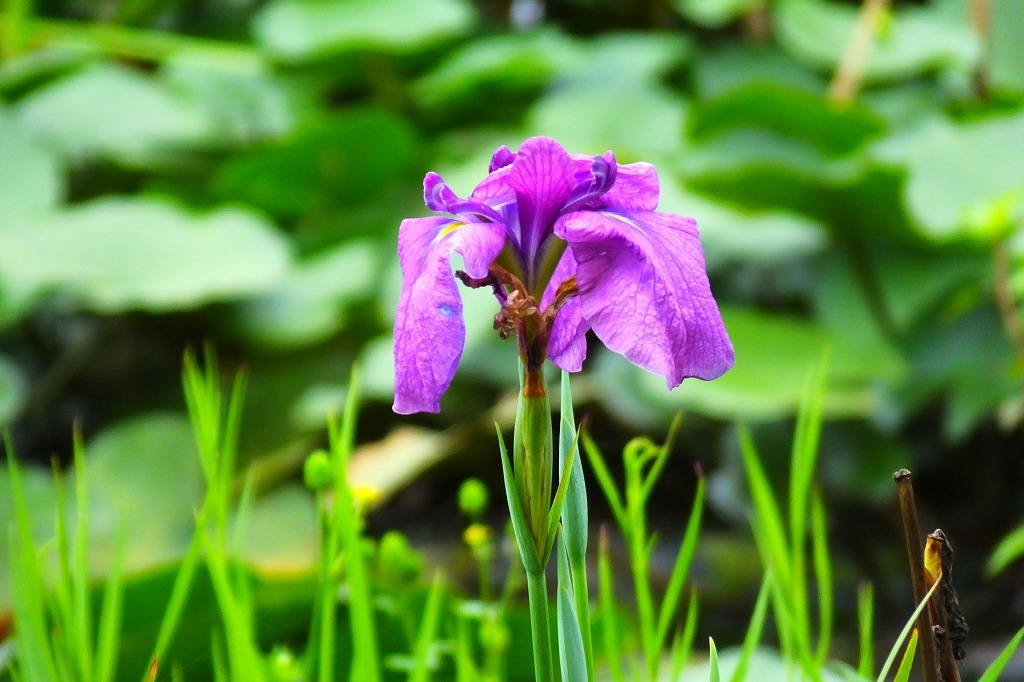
636, 189
541, 177
567, 346
429, 329
645, 292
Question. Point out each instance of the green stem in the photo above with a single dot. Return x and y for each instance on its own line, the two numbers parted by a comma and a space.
537, 587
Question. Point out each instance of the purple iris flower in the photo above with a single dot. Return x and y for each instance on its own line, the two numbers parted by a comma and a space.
568, 243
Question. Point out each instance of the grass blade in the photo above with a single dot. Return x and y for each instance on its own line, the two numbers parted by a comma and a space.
992, 673
682, 644
865, 622
906, 630
754, 630
422, 662
606, 601
903, 672
108, 636
35, 652
822, 576
715, 675
605, 480
684, 560
766, 509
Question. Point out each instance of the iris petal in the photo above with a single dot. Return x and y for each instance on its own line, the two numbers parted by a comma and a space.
645, 292
541, 177
429, 329
567, 346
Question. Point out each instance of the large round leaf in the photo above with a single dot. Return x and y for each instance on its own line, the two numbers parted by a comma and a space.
118, 254
309, 304
30, 175
956, 169
773, 357
299, 30
144, 484
916, 40
111, 111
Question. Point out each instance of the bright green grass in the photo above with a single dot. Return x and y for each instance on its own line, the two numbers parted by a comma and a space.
65, 633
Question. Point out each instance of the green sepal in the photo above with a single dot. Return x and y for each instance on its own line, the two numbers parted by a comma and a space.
520, 525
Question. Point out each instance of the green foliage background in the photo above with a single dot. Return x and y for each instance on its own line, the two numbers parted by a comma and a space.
173, 171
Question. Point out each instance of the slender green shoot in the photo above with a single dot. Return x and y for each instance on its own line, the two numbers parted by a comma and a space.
609, 619
907, 662
715, 674
682, 643
754, 630
422, 659
906, 631
865, 630
822, 576
995, 669
684, 559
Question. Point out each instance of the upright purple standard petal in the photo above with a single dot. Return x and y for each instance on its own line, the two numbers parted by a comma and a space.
429, 330
542, 178
645, 292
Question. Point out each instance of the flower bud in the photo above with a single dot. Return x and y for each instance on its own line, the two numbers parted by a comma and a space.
473, 497
316, 471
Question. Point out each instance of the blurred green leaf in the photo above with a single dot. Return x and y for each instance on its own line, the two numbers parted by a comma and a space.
243, 106
114, 112
281, 534
769, 664
614, 98
964, 356
955, 169
1007, 48
773, 354
722, 68
31, 178
144, 483
12, 390
917, 39
351, 158
788, 111
716, 13
302, 30
118, 254
637, 122
309, 305
731, 237
496, 65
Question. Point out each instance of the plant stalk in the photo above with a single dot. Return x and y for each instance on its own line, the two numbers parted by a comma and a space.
537, 588
912, 537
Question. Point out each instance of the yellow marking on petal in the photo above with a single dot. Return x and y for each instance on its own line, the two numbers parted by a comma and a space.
447, 230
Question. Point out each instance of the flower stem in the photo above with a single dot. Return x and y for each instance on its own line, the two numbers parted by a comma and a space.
537, 587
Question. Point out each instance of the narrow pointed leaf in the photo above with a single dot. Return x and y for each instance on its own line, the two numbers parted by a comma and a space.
994, 670
571, 655
683, 561
906, 631
907, 663
754, 630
